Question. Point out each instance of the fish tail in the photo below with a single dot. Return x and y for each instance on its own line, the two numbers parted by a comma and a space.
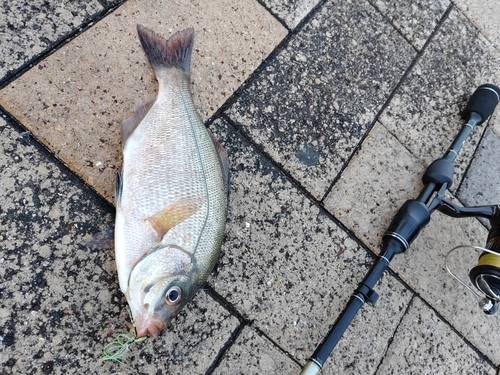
174, 52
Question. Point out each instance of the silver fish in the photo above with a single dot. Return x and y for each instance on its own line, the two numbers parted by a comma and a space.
172, 194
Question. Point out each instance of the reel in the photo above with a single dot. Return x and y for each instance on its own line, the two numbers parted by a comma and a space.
485, 276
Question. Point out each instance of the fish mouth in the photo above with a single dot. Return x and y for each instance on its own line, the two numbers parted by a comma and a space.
148, 324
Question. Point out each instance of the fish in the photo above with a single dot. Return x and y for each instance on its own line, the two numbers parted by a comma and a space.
172, 193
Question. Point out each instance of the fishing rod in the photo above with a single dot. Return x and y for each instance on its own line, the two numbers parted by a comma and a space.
414, 215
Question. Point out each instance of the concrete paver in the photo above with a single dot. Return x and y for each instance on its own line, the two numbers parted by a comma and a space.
60, 301
293, 11
416, 20
294, 288
485, 14
481, 184
435, 342
250, 349
37, 24
75, 100
372, 89
313, 103
424, 113
394, 176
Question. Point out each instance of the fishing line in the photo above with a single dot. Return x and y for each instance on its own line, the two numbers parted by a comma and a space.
116, 348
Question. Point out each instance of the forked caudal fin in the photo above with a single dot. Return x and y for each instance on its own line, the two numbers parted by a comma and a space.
162, 53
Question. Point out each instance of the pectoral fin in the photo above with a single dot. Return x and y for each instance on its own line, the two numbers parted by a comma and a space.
174, 214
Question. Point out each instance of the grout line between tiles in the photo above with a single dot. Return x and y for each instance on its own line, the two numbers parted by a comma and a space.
234, 127
462, 337
278, 18
243, 323
225, 348
389, 98
59, 43
43, 149
391, 339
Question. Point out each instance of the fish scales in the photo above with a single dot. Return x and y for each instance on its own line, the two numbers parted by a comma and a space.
171, 194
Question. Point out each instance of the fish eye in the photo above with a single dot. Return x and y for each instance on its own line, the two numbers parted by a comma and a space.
173, 296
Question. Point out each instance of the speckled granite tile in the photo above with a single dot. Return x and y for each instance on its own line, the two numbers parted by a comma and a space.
424, 344
290, 269
291, 11
75, 100
424, 113
313, 103
252, 354
60, 300
485, 14
27, 28
377, 182
481, 185
416, 20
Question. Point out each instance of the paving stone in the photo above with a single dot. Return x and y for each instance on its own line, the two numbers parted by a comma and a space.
290, 269
378, 180
60, 300
252, 354
424, 344
313, 103
481, 184
291, 11
74, 101
485, 14
27, 28
424, 113
365, 199
416, 19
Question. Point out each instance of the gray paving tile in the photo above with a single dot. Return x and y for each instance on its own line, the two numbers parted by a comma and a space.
75, 100
287, 267
60, 300
252, 354
312, 104
27, 28
378, 180
414, 19
365, 199
422, 334
424, 114
481, 185
486, 16
291, 11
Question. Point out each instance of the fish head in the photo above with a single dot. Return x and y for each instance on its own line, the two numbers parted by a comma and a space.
159, 287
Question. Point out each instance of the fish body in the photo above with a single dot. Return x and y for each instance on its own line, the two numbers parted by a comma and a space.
172, 194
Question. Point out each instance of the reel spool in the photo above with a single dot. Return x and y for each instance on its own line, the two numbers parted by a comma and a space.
486, 274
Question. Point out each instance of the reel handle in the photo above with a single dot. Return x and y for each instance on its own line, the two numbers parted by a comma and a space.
483, 102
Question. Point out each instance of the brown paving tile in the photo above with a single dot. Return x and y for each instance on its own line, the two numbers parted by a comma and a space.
75, 100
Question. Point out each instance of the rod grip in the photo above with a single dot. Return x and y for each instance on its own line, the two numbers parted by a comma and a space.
483, 102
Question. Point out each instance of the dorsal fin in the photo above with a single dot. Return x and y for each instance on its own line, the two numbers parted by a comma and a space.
141, 108
224, 162
165, 53
118, 189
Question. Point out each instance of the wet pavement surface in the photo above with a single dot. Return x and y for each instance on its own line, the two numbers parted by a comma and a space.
330, 112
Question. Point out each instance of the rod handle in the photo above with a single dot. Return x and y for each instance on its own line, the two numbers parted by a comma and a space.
483, 102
